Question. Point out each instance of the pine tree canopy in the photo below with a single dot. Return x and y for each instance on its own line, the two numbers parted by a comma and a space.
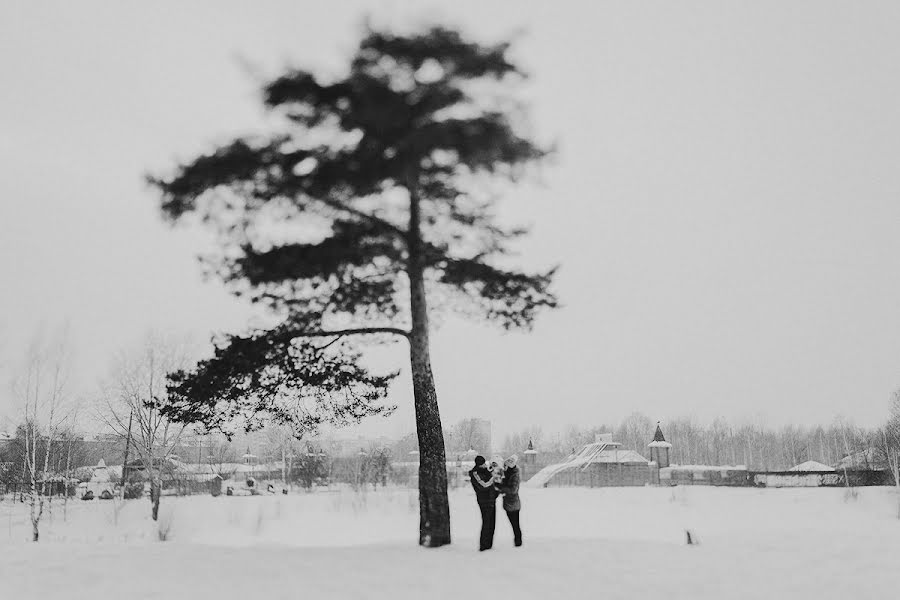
319, 222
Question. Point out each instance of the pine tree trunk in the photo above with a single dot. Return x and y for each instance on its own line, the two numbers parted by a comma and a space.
434, 508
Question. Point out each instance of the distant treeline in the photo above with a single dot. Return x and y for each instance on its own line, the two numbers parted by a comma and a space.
720, 442
759, 447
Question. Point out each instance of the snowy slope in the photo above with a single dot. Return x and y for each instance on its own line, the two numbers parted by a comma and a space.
579, 543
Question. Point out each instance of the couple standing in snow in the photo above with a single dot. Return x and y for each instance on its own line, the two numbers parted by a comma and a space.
489, 482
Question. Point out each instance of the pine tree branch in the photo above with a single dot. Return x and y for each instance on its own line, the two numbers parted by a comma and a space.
369, 218
346, 332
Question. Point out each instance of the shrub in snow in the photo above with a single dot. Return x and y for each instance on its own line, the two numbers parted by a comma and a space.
83, 474
134, 489
164, 525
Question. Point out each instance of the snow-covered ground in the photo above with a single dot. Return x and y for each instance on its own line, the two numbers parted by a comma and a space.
579, 543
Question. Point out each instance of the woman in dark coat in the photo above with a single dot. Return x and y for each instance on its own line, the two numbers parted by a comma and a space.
509, 487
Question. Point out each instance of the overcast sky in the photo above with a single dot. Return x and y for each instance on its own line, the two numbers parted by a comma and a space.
724, 203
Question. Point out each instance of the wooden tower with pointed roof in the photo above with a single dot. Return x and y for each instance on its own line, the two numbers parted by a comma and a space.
530, 453
659, 448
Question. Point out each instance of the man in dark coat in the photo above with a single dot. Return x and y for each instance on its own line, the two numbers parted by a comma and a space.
509, 487
486, 495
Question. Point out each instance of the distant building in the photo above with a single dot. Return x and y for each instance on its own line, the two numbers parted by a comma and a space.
599, 464
530, 453
812, 466
249, 458
659, 449
870, 459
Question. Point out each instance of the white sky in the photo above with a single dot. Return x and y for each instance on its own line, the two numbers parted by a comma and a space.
724, 204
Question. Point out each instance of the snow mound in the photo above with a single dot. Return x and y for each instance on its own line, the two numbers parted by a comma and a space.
811, 465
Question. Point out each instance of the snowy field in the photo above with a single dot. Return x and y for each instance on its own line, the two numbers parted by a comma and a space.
579, 543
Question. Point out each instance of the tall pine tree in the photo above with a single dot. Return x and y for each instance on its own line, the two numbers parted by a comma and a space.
370, 203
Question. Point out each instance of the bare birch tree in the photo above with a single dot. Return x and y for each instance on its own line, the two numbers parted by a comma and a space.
132, 398
40, 387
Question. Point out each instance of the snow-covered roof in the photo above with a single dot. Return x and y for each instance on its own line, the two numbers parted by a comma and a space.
658, 435
608, 452
659, 440
811, 465
101, 473
869, 458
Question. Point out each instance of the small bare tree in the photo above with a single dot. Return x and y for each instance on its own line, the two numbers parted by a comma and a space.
847, 428
634, 430
285, 442
469, 434
40, 387
68, 451
222, 458
132, 399
379, 465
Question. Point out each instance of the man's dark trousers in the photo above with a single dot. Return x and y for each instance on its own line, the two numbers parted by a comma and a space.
488, 522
